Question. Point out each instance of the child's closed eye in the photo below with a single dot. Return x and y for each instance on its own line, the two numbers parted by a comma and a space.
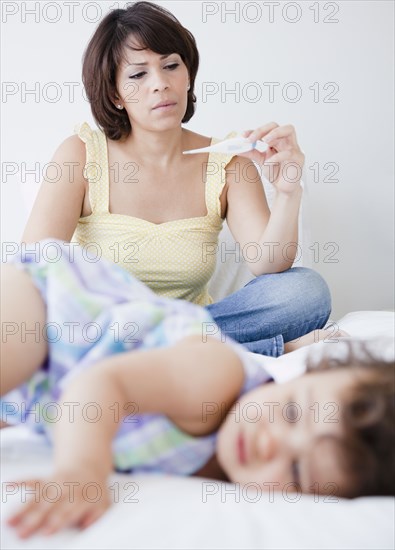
295, 472
292, 411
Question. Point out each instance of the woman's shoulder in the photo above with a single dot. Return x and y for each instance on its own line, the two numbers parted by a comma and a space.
72, 148
74, 145
87, 143
193, 140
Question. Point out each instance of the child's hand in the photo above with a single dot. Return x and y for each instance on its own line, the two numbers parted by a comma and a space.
75, 498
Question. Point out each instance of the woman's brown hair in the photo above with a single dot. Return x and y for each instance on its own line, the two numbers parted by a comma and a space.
366, 450
155, 28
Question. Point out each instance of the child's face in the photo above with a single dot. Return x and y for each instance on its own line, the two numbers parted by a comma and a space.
271, 435
142, 87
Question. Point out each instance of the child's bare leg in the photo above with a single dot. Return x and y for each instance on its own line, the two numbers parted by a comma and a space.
328, 335
22, 310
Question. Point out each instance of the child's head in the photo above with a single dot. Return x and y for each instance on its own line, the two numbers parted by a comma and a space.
132, 35
330, 431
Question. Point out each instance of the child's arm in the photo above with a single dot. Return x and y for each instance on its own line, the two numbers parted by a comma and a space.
175, 381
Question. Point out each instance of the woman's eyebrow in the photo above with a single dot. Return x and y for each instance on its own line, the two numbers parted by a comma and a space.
146, 63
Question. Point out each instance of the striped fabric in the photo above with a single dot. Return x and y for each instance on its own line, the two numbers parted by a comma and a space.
96, 309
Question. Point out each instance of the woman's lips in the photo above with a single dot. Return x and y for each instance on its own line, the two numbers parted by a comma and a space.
165, 107
241, 449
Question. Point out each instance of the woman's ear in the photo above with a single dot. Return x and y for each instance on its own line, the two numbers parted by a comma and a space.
117, 102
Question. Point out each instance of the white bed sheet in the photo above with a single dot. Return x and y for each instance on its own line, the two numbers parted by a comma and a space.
175, 512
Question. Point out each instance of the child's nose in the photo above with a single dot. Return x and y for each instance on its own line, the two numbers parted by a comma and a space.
266, 444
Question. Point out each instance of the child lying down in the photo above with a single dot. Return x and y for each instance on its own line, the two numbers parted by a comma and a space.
117, 377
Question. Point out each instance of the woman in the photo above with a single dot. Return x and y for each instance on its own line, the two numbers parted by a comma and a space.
156, 212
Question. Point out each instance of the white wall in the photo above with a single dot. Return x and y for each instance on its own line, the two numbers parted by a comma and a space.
249, 49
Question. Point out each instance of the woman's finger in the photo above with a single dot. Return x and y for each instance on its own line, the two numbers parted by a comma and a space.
260, 132
246, 133
279, 157
255, 156
282, 132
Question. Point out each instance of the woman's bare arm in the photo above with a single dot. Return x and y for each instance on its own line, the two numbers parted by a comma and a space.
58, 205
268, 240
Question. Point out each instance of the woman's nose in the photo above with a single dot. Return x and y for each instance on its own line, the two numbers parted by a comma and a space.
160, 82
266, 444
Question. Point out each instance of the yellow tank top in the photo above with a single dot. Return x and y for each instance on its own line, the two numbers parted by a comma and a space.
176, 259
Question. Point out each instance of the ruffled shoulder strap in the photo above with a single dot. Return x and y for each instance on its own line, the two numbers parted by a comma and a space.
216, 177
96, 167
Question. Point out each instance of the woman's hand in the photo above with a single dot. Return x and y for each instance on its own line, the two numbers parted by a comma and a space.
283, 151
68, 499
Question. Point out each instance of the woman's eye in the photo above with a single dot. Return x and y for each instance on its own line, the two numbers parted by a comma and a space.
170, 67
138, 75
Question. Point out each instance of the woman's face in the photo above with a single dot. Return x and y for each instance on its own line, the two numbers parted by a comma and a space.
147, 79
271, 436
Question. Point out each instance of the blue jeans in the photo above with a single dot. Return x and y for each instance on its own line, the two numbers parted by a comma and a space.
274, 308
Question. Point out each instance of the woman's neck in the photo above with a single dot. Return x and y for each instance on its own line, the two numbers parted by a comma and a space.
160, 149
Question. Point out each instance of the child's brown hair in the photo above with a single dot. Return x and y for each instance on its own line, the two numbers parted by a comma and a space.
367, 448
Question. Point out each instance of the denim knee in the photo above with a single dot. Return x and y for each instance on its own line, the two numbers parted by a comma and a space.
316, 290
291, 304
300, 291
316, 282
